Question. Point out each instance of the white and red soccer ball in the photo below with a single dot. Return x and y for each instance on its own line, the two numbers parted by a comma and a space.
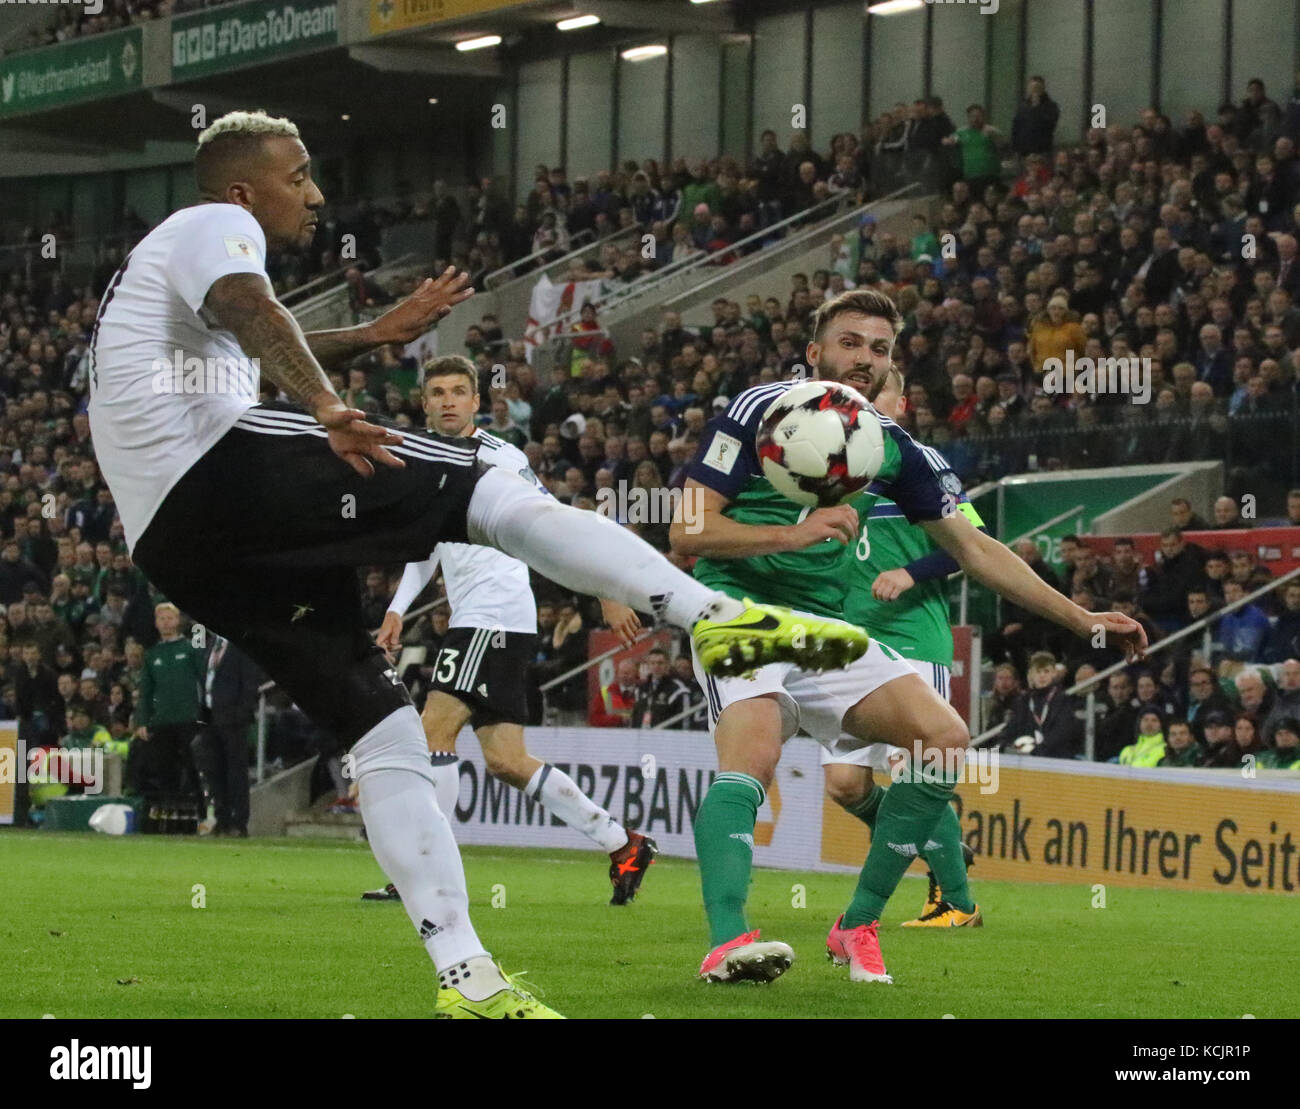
820, 443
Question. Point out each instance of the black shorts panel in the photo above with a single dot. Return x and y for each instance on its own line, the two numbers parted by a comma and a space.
260, 541
271, 492
487, 670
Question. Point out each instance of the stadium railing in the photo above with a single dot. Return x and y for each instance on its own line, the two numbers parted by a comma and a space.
331, 307
305, 291
1260, 451
1088, 687
509, 297
660, 285
580, 244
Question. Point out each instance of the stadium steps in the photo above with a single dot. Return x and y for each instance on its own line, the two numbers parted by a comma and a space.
315, 822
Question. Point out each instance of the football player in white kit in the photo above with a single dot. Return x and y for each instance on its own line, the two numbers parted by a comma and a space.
479, 672
253, 518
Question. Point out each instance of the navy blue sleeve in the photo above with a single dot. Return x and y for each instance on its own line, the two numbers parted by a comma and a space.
727, 459
925, 487
937, 564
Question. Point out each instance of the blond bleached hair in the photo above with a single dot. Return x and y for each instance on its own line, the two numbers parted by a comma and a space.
227, 148
255, 123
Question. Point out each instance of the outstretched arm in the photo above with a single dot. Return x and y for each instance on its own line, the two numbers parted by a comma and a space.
246, 306
403, 323
992, 564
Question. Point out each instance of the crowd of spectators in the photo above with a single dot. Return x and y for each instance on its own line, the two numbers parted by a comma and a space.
1171, 244
68, 22
1208, 701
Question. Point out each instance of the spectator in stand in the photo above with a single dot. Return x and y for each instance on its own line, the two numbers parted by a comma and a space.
685, 673
1253, 694
38, 703
1204, 696
977, 144
662, 695
1033, 129
16, 573
1283, 639
564, 649
1043, 720
1054, 335
1221, 748
1181, 748
1286, 698
1182, 517
1284, 751
364, 292
1119, 720
999, 700
613, 708
1148, 749
1245, 732
1178, 567
1227, 515
1241, 633
1125, 569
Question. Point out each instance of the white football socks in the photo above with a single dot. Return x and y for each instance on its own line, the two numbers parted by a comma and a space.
560, 795
411, 838
586, 552
446, 780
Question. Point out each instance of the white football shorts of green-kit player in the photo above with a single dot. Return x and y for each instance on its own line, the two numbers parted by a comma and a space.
750, 541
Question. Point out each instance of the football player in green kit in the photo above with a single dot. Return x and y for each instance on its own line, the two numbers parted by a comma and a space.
896, 589
751, 541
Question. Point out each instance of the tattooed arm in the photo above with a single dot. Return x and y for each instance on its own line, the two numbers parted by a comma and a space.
333, 348
245, 304
403, 323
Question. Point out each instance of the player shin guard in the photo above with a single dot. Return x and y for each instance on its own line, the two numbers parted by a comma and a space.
446, 780
724, 846
944, 854
410, 836
586, 552
908, 814
866, 809
560, 796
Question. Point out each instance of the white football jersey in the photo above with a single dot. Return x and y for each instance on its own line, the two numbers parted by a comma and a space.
166, 381
485, 588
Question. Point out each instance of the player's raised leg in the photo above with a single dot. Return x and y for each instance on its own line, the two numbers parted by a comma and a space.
588, 553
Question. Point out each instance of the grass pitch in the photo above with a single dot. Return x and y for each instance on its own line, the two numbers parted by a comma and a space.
93, 926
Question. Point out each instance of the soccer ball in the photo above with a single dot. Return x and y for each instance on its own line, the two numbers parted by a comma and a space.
820, 443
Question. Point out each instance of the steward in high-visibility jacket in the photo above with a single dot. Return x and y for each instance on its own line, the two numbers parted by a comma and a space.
1147, 751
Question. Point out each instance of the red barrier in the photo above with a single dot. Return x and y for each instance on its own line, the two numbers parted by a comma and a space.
1276, 548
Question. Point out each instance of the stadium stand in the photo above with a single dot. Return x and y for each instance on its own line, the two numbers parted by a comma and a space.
1127, 243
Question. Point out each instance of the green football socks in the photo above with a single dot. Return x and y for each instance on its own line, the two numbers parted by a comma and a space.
724, 846
907, 818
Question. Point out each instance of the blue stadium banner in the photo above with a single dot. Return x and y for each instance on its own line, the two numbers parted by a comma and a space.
227, 38
85, 69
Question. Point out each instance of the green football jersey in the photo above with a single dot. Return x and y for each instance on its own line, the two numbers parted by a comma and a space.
915, 624
918, 479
